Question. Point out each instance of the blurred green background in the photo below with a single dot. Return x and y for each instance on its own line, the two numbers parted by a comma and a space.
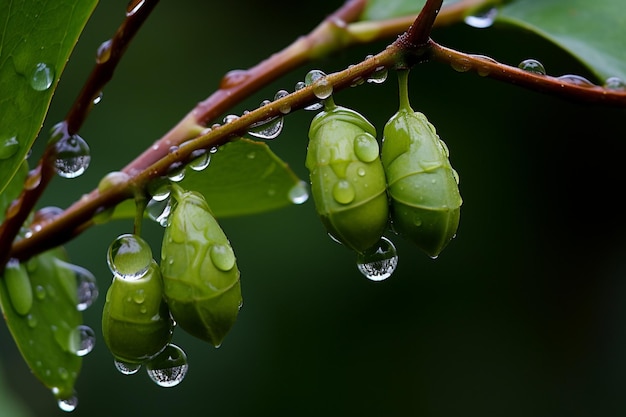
522, 315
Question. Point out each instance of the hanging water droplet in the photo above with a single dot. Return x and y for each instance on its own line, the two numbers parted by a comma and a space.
379, 76
366, 147
230, 118
285, 108
615, 84
461, 65
68, 404
576, 80
134, 6
42, 77
200, 159
86, 287
379, 262
222, 257
159, 211
8, 147
129, 257
72, 156
82, 340
532, 65
267, 129
161, 191
343, 192
169, 367
104, 52
97, 99
299, 85
299, 193
176, 172
233, 78
126, 368
321, 87
483, 18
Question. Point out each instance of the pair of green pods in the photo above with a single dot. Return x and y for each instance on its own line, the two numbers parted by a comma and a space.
357, 190
196, 286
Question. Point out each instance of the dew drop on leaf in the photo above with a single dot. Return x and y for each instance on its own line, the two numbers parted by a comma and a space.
222, 257
299, 193
126, 368
343, 192
8, 147
366, 147
82, 340
129, 257
482, 19
42, 77
86, 287
169, 367
379, 262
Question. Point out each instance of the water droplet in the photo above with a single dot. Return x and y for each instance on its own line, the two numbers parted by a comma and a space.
379, 262
82, 340
134, 6
379, 75
126, 368
366, 147
159, 211
615, 84
63, 373
321, 88
32, 321
42, 77
33, 179
267, 129
104, 52
222, 257
200, 159
8, 147
176, 172
230, 118
532, 65
169, 367
40, 292
360, 171
233, 78
87, 289
97, 99
461, 65
299, 193
68, 404
576, 80
343, 192
129, 257
285, 108
72, 156
483, 18
161, 192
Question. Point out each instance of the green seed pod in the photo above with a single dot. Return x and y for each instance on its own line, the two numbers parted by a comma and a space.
200, 273
347, 177
19, 287
136, 322
423, 187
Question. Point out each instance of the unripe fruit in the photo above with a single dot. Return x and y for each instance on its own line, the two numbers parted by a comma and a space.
19, 287
201, 278
136, 322
347, 177
423, 187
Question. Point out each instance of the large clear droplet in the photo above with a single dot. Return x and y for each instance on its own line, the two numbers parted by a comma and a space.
299, 193
42, 77
8, 147
532, 65
483, 18
129, 257
222, 257
343, 192
321, 87
126, 368
72, 156
284, 109
176, 172
366, 147
267, 129
82, 340
68, 404
379, 76
86, 286
379, 262
169, 367
576, 80
200, 159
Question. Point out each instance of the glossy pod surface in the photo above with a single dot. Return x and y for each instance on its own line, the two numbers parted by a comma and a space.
201, 278
347, 177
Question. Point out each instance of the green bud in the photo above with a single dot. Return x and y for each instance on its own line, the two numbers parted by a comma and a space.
136, 322
19, 287
423, 187
347, 177
199, 268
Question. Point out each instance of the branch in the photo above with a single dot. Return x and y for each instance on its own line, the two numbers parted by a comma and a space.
489, 67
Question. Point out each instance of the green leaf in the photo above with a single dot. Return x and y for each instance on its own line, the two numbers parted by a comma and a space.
13, 189
592, 31
36, 40
45, 334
